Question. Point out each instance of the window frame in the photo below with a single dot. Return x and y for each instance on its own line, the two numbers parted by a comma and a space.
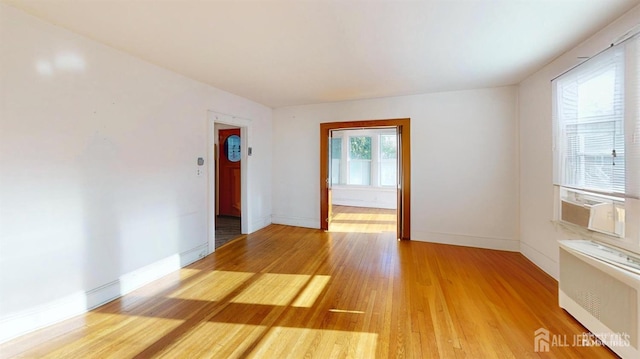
375, 160
623, 201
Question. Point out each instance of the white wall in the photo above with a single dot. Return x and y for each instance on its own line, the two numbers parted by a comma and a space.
538, 234
368, 197
464, 183
98, 185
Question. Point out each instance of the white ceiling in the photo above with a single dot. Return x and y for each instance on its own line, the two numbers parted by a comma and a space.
282, 53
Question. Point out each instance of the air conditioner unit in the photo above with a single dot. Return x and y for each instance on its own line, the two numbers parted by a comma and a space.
599, 286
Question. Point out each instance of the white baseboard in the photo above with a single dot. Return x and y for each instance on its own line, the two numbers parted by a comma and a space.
260, 223
23, 322
543, 262
145, 275
502, 244
296, 221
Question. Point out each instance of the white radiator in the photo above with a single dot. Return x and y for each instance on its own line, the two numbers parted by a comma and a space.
600, 287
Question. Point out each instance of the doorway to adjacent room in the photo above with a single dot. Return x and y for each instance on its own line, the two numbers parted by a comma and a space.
365, 176
228, 183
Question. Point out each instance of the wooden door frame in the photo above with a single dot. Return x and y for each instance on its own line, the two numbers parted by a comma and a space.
403, 124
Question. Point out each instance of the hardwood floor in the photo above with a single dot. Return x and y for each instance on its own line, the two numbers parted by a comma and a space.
294, 292
363, 220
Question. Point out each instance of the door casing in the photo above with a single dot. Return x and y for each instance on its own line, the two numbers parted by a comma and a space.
404, 194
245, 130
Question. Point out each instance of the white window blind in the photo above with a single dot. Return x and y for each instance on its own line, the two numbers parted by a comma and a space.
632, 119
597, 123
589, 115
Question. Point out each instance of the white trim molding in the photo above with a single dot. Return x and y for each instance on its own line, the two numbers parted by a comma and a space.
296, 221
20, 323
244, 124
503, 244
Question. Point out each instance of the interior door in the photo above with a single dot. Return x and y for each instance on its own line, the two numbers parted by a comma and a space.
330, 177
229, 172
399, 207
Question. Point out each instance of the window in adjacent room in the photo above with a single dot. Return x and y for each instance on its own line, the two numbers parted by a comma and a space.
336, 156
360, 160
364, 157
388, 160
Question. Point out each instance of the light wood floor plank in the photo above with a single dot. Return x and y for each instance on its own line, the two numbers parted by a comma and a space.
297, 293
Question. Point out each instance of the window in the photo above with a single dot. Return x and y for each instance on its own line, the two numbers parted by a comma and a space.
360, 160
388, 160
590, 117
364, 157
597, 141
336, 156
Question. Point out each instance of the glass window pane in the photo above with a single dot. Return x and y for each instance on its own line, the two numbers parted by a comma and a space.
588, 159
360, 172
360, 148
596, 96
388, 173
336, 157
589, 104
335, 171
232, 148
336, 148
388, 147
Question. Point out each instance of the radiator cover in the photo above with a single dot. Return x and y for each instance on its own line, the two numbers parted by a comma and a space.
599, 286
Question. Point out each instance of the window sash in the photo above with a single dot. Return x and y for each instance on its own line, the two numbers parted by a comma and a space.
335, 159
387, 160
359, 172
377, 148
588, 106
582, 132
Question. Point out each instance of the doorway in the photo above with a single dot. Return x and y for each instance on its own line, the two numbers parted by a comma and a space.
403, 175
363, 178
215, 122
228, 173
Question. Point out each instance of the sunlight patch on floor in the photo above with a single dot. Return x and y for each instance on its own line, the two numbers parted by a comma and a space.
125, 335
226, 282
361, 228
273, 289
362, 220
284, 342
311, 292
215, 340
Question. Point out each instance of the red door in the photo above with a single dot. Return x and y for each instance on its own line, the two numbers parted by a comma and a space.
229, 172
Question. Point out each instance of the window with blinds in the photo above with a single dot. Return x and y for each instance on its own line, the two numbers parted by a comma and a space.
596, 115
590, 118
